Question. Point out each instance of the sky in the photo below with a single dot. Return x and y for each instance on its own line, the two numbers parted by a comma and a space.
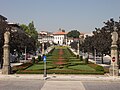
50, 15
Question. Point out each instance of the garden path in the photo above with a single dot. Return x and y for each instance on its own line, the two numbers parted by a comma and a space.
60, 58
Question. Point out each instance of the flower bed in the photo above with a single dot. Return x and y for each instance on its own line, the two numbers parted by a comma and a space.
21, 67
60, 60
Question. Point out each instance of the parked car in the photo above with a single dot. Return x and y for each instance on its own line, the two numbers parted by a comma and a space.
22, 57
13, 58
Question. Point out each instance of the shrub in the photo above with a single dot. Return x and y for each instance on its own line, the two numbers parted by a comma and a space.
39, 58
66, 66
33, 59
59, 72
99, 68
86, 60
77, 56
21, 67
81, 58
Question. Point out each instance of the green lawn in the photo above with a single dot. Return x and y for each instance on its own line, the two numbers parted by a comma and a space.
81, 67
71, 65
36, 67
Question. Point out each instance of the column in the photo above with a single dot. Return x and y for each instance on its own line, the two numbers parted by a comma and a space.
114, 70
6, 54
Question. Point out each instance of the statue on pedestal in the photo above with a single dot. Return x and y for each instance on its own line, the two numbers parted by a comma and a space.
7, 37
113, 70
6, 54
114, 36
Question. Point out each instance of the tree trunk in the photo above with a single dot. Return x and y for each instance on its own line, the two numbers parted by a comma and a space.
88, 55
102, 58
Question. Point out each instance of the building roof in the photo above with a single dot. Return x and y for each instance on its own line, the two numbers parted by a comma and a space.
14, 25
4, 18
60, 33
43, 32
81, 33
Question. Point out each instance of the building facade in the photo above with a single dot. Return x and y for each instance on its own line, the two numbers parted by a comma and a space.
44, 36
60, 37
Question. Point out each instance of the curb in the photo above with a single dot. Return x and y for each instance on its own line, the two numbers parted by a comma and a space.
60, 77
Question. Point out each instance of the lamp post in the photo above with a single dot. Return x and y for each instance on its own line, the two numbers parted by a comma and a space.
95, 56
25, 54
44, 60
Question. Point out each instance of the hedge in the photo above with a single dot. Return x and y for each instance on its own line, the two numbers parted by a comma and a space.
21, 67
59, 72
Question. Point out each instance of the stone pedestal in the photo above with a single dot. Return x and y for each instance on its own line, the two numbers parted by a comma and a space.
6, 55
114, 72
114, 63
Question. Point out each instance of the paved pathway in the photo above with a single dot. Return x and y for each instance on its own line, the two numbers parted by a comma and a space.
63, 85
59, 77
104, 85
21, 84
81, 85
58, 82
58, 85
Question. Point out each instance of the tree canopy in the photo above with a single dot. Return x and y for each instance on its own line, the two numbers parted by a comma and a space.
19, 39
101, 39
73, 34
30, 30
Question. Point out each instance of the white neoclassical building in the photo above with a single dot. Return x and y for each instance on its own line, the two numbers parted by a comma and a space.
60, 37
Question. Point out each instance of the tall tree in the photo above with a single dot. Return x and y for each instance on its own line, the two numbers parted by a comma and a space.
30, 30
73, 34
32, 34
101, 40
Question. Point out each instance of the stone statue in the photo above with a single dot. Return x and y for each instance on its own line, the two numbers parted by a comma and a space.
114, 37
6, 37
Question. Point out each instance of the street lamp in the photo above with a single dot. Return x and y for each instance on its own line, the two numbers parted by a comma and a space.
95, 55
25, 54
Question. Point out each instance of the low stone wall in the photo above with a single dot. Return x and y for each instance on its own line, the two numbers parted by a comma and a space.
49, 49
73, 51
